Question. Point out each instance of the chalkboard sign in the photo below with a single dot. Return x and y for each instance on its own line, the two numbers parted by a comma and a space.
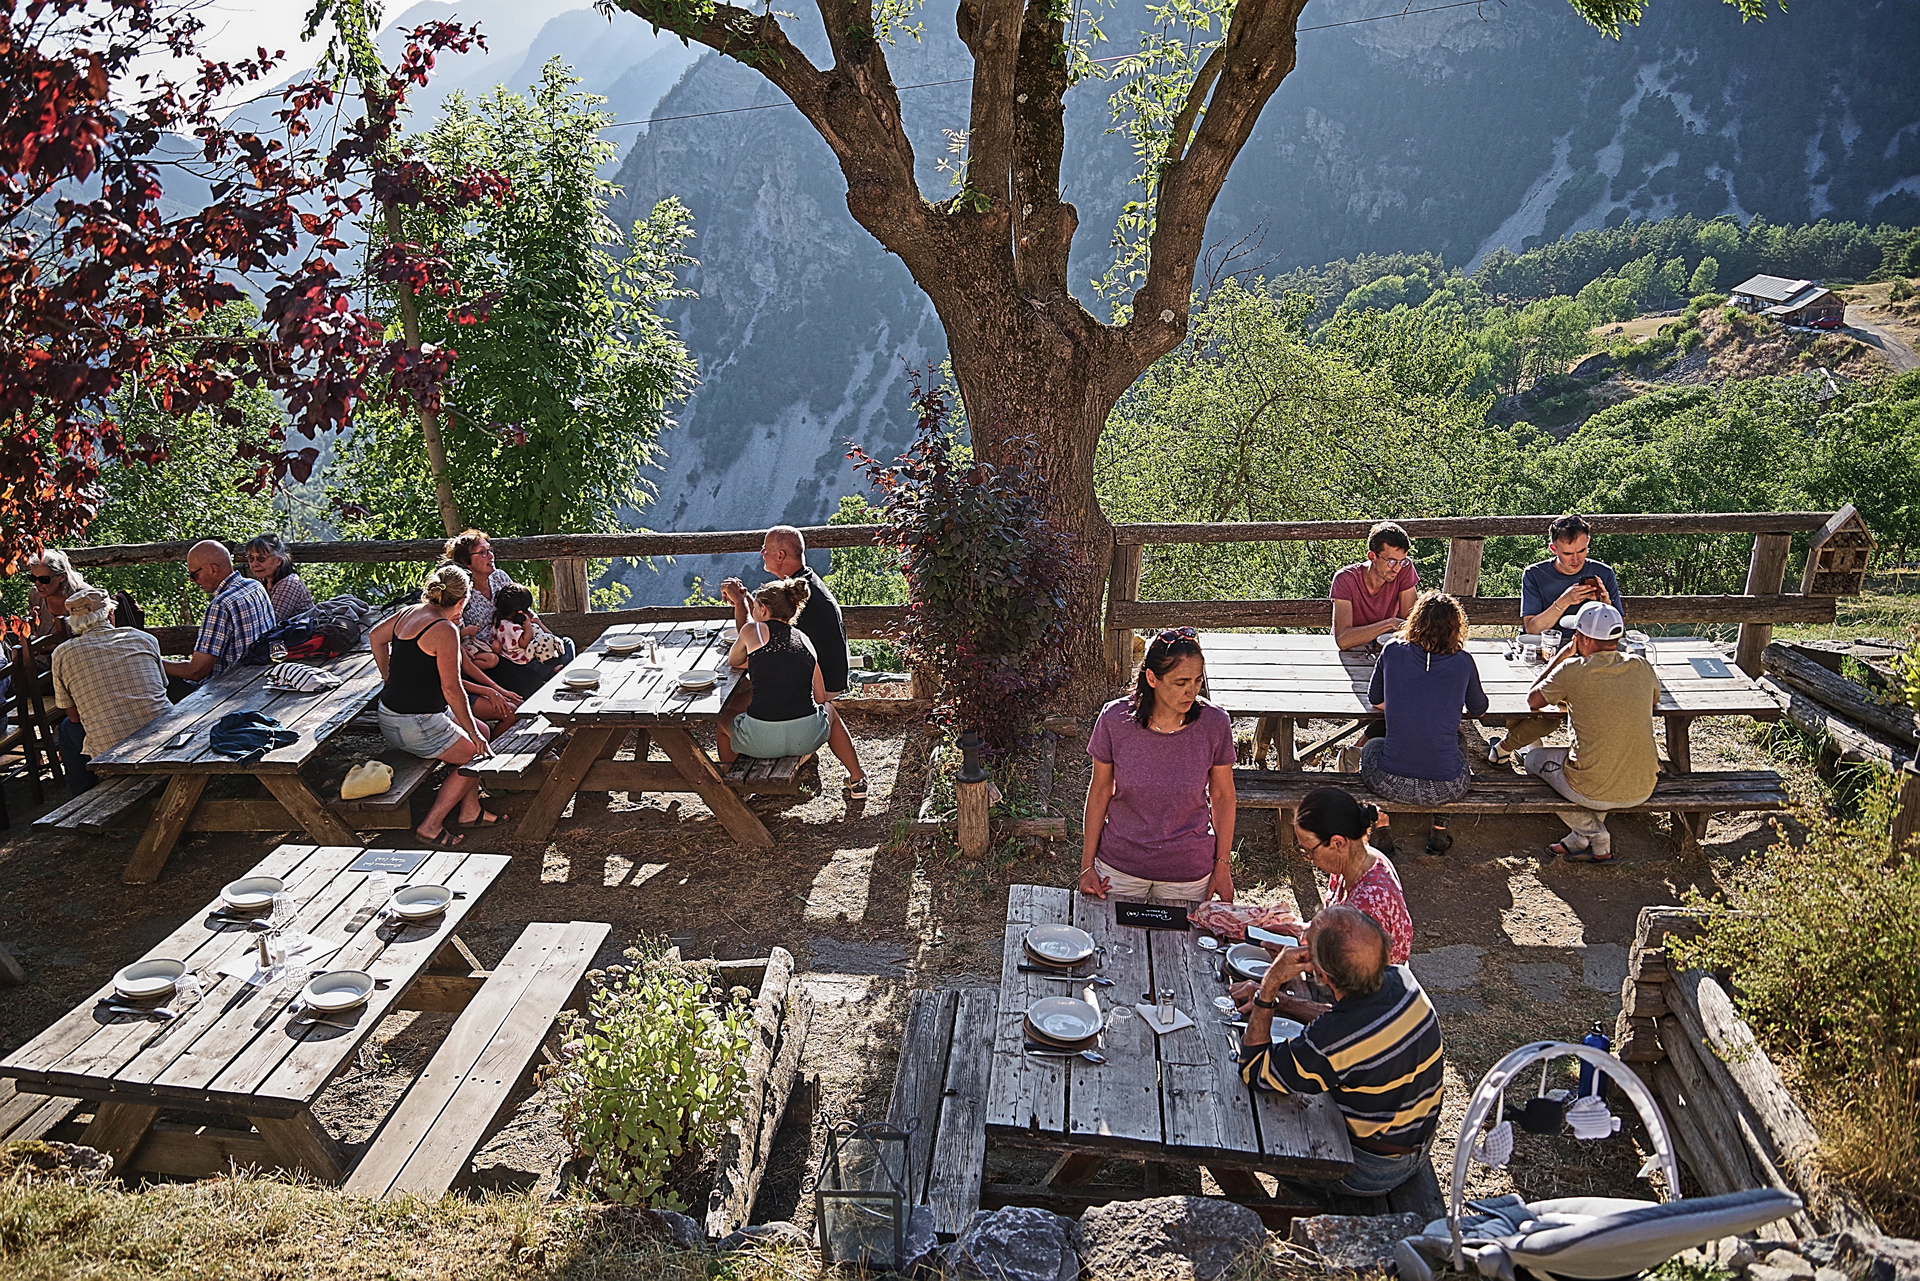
1712, 669
396, 862
1151, 916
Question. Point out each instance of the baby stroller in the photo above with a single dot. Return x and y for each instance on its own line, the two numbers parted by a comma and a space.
1576, 1238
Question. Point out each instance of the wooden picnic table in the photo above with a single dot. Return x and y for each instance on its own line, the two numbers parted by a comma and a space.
237, 1052
317, 718
1289, 678
636, 696
1172, 1099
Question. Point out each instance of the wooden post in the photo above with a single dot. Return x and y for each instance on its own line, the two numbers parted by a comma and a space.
1766, 574
570, 590
1123, 584
974, 834
1906, 810
1463, 566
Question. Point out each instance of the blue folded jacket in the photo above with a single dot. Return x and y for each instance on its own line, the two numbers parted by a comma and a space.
242, 736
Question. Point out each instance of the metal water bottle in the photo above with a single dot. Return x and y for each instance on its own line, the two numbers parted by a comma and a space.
1591, 1082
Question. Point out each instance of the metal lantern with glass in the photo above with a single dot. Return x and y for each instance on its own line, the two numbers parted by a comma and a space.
861, 1199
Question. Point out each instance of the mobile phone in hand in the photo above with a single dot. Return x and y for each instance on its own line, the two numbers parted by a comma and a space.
1258, 935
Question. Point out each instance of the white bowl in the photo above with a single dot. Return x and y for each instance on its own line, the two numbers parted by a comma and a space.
1287, 1029
695, 679
252, 893
729, 634
339, 990
1249, 960
581, 677
627, 644
1058, 944
148, 980
418, 902
1064, 1018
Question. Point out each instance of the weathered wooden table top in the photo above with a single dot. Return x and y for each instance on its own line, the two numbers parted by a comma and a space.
633, 691
237, 1050
1177, 1097
315, 717
1303, 675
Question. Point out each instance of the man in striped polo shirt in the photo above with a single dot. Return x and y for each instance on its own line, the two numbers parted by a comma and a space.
1376, 1053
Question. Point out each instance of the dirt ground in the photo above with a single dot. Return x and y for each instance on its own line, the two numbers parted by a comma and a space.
1514, 946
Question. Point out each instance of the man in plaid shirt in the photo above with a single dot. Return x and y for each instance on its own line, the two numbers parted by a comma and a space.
239, 614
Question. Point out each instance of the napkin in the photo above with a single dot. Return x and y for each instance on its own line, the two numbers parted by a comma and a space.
1148, 1013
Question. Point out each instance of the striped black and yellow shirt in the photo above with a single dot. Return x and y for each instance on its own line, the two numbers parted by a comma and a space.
1378, 1057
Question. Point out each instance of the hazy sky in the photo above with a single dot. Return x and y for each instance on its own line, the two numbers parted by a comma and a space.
235, 28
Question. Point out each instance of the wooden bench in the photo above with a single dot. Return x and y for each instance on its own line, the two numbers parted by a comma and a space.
750, 775
425, 1145
121, 802
946, 1058
1524, 794
515, 755
31, 1116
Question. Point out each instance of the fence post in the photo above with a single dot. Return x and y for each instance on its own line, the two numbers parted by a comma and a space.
1766, 574
1462, 578
1123, 584
570, 591
1906, 806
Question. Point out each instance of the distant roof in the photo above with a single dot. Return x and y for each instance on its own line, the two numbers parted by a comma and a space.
1774, 289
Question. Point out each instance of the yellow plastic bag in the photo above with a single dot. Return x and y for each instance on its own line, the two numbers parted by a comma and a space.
368, 778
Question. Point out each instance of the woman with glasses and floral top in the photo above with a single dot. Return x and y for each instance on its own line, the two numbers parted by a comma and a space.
54, 579
1160, 807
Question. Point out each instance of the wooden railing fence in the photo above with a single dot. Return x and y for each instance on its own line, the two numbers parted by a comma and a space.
1763, 603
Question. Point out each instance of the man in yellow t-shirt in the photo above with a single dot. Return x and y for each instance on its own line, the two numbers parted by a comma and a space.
1609, 696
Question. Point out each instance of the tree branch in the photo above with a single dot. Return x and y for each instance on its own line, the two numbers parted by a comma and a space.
990, 123
1183, 123
1044, 225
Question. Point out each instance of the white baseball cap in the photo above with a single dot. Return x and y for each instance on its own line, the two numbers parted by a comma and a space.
1599, 620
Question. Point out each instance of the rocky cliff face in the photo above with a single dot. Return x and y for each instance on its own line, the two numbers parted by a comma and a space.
1454, 131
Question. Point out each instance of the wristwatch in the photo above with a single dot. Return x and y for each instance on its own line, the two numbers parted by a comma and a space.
1267, 1005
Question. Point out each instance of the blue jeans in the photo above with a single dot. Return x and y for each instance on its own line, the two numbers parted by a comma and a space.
1377, 1175
73, 758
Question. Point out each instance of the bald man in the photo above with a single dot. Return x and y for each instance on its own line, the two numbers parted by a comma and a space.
239, 614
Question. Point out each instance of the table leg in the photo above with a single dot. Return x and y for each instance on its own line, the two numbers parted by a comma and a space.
583, 749
1689, 827
1282, 732
1240, 1185
117, 1128
301, 1143
169, 819
701, 776
312, 813
1073, 1170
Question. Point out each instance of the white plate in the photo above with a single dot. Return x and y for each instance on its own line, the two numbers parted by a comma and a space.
1064, 1018
252, 893
623, 645
1059, 944
146, 980
696, 679
729, 634
418, 902
1287, 1029
340, 990
581, 677
1249, 960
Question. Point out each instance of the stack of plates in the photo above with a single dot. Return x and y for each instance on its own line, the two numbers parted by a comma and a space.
696, 678
1063, 1022
1059, 946
581, 677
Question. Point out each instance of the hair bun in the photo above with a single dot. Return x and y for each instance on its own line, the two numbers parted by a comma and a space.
446, 585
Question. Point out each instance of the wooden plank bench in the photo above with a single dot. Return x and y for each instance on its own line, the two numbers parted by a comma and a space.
946, 1058
101, 808
123, 802
521, 758
750, 775
459, 1100
32, 1116
1524, 794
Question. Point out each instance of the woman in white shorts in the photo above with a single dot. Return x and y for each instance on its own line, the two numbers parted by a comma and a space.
423, 707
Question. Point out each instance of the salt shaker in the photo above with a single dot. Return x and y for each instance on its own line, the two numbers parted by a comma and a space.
1164, 1012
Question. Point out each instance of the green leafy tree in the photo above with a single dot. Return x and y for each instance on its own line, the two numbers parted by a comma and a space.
864, 575
1672, 279
555, 406
1869, 455
1704, 277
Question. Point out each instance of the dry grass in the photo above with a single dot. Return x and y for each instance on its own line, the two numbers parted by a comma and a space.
1870, 1140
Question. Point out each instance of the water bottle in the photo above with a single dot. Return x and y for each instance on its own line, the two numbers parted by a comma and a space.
1591, 1081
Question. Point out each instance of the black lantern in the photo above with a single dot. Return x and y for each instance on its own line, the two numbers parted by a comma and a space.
971, 770
861, 1201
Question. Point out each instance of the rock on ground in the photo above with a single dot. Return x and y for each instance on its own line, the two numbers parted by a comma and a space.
1018, 1243
1358, 1242
1865, 1258
1173, 1236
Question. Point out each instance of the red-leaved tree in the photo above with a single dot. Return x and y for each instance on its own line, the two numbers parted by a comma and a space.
103, 279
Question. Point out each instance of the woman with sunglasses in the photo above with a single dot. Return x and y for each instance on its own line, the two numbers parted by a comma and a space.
1160, 807
54, 579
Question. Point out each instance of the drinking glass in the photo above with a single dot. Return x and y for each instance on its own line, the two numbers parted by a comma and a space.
277, 652
1549, 643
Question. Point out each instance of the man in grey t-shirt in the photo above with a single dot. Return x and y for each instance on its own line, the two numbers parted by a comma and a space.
1559, 586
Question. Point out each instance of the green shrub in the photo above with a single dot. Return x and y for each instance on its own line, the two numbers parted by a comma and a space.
1823, 941
1901, 291
651, 1077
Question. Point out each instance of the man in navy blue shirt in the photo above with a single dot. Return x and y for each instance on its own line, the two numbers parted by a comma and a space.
1560, 586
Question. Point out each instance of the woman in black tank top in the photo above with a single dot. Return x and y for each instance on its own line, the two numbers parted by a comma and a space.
423, 707
790, 714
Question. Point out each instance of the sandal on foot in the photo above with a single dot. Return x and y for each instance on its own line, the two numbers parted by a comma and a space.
1587, 856
486, 818
447, 839
856, 789
1439, 841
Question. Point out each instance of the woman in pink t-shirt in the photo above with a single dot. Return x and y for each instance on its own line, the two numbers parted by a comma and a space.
1160, 807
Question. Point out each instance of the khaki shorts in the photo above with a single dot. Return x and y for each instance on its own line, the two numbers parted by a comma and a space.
1140, 890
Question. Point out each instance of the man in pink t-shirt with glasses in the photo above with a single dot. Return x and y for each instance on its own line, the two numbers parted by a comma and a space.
1374, 597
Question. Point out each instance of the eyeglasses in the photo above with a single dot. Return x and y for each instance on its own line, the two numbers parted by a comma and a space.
1395, 565
1173, 634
